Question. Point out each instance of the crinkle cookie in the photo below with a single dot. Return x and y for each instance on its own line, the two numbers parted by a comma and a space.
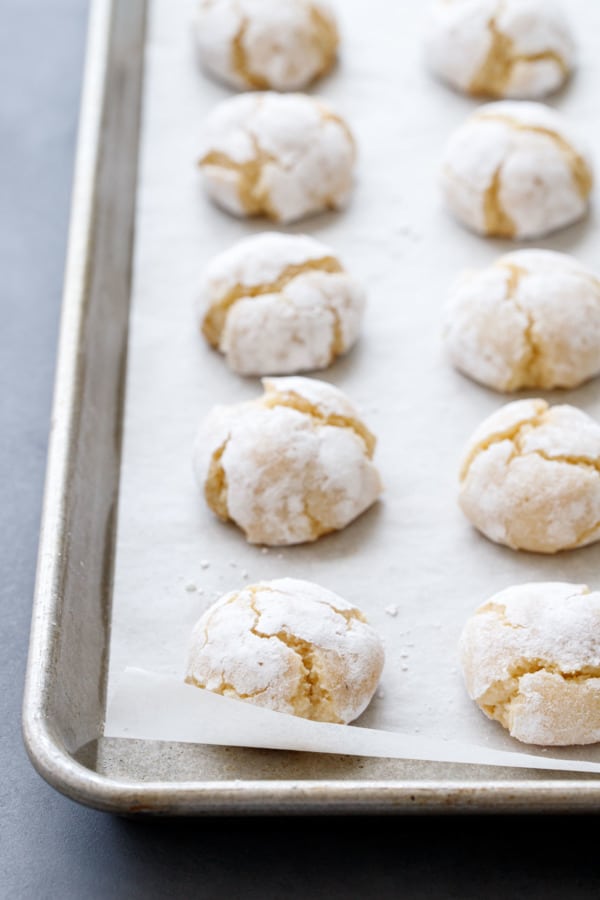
284, 156
259, 44
530, 320
291, 646
276, 304
522, 49
530, 477
516, 170
531, 661
289, 466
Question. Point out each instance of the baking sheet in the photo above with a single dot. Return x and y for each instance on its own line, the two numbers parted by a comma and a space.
412, 562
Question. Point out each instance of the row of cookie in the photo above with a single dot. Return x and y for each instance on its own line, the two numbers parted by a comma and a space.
515, 169
498, 48
297, 463
281, 304
298, 648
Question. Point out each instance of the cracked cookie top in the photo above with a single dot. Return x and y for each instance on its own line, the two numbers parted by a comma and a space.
530, 320
266, 44
277, 304
530, 477
291, 646
290, 466
283, 156
531, 660
519, 49
516, 170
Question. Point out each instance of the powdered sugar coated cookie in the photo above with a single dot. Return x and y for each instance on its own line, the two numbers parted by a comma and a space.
531, 660
262, 44
530, 320
291, 646
284, 156
278, 304
530, 477
516, 170
290, 466
520, 49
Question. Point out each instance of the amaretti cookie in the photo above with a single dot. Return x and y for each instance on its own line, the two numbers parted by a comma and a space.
531, 660
276, 304
516, 170
290, 466
284, 156
522, 49
262, 44
530, 320
530, 477
291, 646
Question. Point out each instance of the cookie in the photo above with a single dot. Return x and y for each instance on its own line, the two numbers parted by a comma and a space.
283, 156
277, 304
519, 49
291, 646
530, 657
530, 477
530, 320
290, 466
266, 44
516, 170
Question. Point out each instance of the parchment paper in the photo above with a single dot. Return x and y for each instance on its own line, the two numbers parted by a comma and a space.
412, 563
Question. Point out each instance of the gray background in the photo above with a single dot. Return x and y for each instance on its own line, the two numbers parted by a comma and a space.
51, 847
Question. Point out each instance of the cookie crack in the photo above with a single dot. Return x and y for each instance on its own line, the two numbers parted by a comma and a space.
292, 400
500, 611
216, 317
528, 367
497, 220
215, 485
239, 58
580, 171
310, 690
225, 689
328, 115
337, 345
500, 695
581, 461
512, 434
495, 72
254, 199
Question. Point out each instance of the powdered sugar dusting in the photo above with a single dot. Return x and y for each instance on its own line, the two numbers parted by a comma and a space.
286, 156
531, 477
288, 475
532, 319
516, 170
289, 645
249, 44
500, 48
531, 659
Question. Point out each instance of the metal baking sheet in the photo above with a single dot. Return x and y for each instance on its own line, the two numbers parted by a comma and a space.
405, 248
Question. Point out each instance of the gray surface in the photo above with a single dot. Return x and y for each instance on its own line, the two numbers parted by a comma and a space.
49, 846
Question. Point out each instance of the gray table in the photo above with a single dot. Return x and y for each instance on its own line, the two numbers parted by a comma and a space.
51, 847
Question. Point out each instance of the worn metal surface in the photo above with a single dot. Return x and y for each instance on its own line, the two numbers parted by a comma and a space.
65, 690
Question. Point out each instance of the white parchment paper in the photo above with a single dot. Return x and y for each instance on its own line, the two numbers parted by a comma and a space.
412, 563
